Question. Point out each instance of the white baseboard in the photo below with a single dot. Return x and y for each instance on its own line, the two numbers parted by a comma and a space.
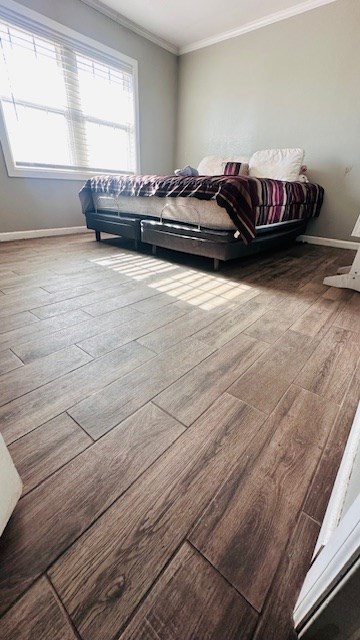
329, 242
41, 233
64, 231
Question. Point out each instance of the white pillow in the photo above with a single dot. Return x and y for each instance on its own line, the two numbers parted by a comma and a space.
278, 164
215, 165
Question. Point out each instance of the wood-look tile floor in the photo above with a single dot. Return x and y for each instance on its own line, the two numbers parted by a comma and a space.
178, 432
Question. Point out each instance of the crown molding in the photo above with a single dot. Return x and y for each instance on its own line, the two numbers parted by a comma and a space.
132, 26
278, 16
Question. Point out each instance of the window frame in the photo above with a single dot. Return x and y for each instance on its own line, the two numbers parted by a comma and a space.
29, 19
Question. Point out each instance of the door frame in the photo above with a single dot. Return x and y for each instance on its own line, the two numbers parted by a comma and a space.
338, 546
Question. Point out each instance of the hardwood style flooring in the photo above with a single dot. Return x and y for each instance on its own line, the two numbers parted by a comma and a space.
178, 433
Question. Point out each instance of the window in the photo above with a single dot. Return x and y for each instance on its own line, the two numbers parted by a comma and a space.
67, 108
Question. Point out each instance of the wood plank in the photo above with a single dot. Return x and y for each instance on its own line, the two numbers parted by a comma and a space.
54, 283
78, 494
102, 411
5, 272
41, 328
43, 451
320, 316
117, 302
63, 267
38, 614
187, 398
245, 529
11, 322
312, 269
273, 324
25, 302
95, 283
62, 306
207, 291
165, 337
270, 275
266, 381
349, 316
31, 376
228, 326
324, 478
266, 297
47, 343
254, 266
22, 302
25, 289
157, 302
9, 361
33, 409
117, 336
137, 266
276, 621
191, 600
75, 266
312, 290
141, 531
330, 368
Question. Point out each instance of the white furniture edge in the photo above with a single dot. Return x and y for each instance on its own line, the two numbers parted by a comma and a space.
332, 563
338, 545
348, 278
41, 233
333, 593
10, 485
336, 502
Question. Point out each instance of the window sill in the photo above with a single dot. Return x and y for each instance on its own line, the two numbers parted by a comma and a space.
56, 174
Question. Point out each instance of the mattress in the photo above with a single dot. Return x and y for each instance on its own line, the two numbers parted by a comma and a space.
205, 213
202, 213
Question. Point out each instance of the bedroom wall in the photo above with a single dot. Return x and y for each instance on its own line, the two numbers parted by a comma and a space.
291, 84
44, 204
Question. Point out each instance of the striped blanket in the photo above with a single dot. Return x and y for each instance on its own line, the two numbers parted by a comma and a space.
240, 196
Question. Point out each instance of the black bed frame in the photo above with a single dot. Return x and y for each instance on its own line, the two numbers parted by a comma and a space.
213, 243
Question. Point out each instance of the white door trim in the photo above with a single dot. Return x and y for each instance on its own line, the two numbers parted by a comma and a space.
338, 546
332, 595
331, 564
338, 495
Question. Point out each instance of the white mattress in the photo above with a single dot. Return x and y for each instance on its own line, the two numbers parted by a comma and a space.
206, 213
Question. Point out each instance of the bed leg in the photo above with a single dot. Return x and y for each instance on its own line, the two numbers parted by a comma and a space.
97, 236
216, 264
136, 245
153, 249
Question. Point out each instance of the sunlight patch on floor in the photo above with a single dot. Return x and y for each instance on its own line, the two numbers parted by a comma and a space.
203, 290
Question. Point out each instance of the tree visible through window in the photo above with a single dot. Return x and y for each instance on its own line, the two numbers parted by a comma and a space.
64, 109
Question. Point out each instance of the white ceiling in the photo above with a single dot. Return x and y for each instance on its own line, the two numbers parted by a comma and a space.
189, 24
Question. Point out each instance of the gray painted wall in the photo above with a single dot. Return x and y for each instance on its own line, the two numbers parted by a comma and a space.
45, 204
291, 84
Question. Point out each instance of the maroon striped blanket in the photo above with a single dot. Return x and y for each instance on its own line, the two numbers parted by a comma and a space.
240, 196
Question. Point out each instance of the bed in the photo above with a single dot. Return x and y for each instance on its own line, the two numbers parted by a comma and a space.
218, 216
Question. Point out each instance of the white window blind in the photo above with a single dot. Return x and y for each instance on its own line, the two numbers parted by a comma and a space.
65, 108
